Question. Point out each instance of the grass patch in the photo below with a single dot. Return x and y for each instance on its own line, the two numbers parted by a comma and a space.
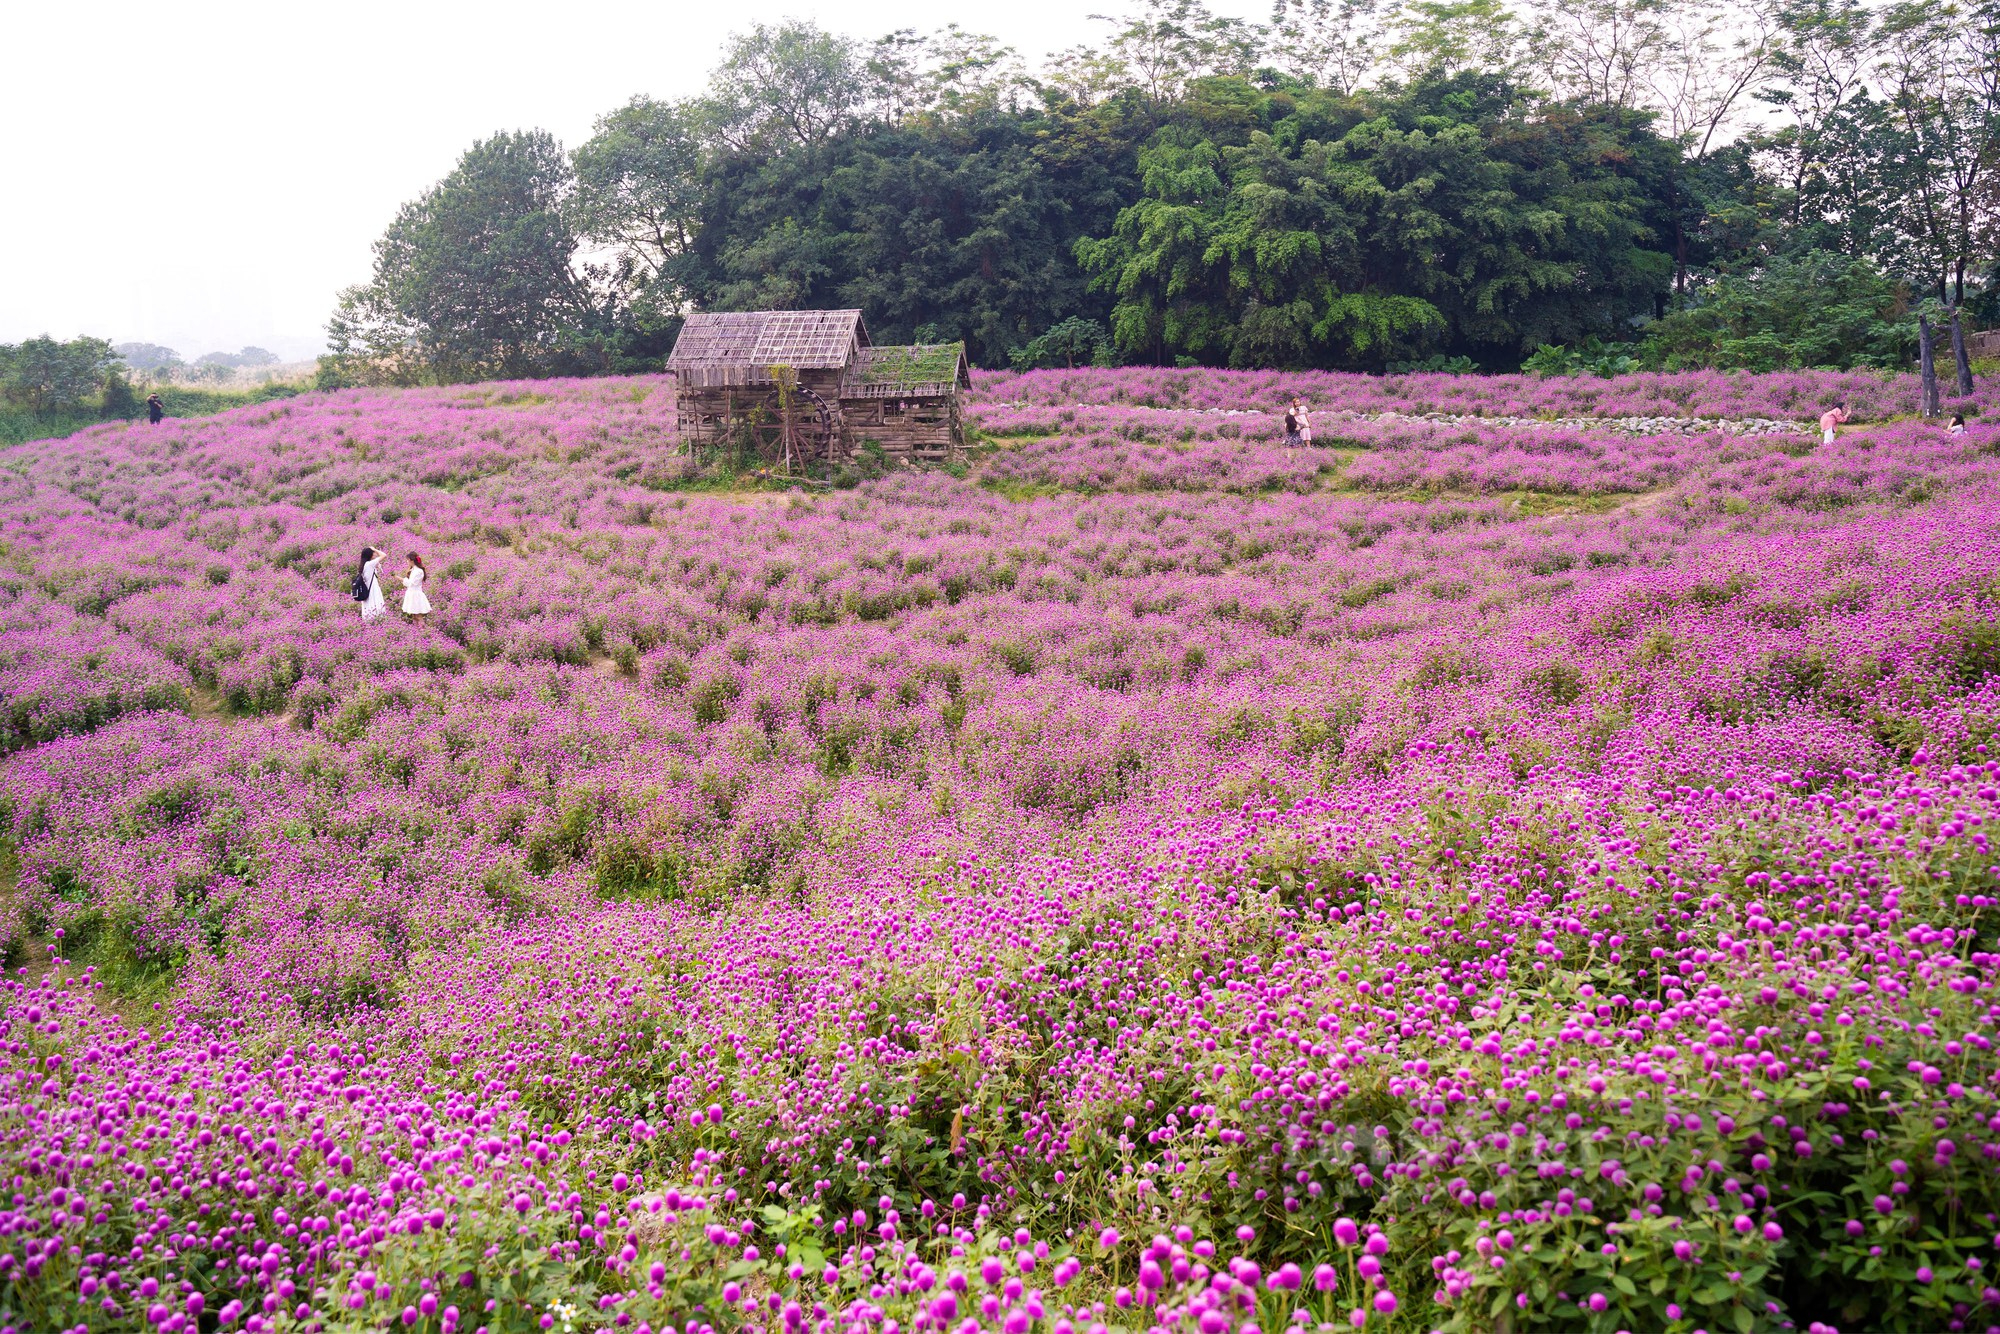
18, 426
1008, 489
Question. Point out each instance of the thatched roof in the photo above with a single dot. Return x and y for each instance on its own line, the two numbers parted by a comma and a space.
739, 346
920, 370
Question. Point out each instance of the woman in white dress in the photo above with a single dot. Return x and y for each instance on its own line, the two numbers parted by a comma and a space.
414, 601
372, 607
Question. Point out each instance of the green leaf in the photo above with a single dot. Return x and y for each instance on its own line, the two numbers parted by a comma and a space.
1745, 1320
1624, 1285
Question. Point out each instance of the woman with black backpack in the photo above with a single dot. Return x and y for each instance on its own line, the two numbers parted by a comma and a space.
367, 588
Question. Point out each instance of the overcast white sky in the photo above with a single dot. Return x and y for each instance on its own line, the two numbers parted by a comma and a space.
209, 175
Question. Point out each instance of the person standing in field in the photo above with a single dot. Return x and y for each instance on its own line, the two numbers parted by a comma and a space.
1292, 423
1829, 420
414, 601
155, 409
1305, 424
368, 586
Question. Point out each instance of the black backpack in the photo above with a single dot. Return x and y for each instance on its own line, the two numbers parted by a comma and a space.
359, 589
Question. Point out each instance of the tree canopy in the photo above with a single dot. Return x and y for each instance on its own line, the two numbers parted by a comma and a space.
479, 277
44, 375
1355, 184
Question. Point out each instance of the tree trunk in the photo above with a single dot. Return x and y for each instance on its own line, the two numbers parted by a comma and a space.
1927, 366
1958, 353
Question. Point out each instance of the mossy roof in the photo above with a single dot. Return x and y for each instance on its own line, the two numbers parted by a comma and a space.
913, 364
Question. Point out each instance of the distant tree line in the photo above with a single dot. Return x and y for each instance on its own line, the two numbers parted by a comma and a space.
1358, 183
154, 361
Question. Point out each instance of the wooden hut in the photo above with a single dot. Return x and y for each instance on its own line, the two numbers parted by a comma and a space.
799, 385
904, 400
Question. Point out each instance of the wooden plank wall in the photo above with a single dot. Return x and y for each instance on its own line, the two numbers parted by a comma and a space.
919, 428
925, 428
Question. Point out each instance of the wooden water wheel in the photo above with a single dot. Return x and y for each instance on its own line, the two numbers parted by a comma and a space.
794, 426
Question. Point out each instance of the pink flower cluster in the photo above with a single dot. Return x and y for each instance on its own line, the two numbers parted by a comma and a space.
1390, 894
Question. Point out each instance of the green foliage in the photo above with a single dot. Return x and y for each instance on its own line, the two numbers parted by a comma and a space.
18, 425
1299, 251
117, 400
1068, 343
639, 192
712, 698
1160, 260
477, 279
51, 378
1590, 357
1820, 309
959, 230
1435, 364
1169, 197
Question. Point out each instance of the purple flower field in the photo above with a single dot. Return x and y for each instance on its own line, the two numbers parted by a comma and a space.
1800, 395
1478, 876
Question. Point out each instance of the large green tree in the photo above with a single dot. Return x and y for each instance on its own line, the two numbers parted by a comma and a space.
1455, 217
1940, 64
479, 277
1161, 259
1821, 309
47, 375
639, 194
958, 226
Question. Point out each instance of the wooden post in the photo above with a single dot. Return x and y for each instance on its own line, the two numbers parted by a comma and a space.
1927, 366
1958, 353
777, 374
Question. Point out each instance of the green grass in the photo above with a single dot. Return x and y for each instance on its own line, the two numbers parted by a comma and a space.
1019, 490
18, 425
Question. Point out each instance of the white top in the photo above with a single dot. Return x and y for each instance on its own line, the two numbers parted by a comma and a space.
414, 601
373, 608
